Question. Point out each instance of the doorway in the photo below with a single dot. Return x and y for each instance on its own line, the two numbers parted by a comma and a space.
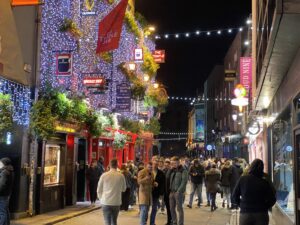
81, 181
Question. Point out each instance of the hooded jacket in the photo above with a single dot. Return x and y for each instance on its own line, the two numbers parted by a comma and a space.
178, 179
212, 178
6, 178
226, 175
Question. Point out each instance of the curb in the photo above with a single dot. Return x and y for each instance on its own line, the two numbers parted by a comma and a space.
72, 216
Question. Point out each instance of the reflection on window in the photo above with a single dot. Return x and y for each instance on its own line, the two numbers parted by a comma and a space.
52, 164
283, 164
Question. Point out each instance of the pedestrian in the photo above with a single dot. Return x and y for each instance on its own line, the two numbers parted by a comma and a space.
93, 175
158, 189
167, 172
254, 194
145, 181
212, 178
110, 188
196, 173
207, 168
236, 173
100, 165
133, 170
126, 194
226, 173
6, 186
178, 180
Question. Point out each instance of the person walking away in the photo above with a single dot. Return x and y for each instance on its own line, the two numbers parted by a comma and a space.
158, 189
178, 180
225, 183
207, 168
93, 174
6, 186
126, 194
167, 172
212, 178
254, 194
197, 174
236, 173
145, 181
110, 188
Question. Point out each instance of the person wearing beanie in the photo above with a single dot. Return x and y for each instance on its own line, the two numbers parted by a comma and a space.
6, 185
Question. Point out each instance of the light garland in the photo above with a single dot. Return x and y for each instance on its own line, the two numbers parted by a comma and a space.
175, 133
193, 100
20, 96
170, 139
84, 59
200, 33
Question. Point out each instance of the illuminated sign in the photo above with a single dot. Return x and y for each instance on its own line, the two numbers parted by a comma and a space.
138, 55
65, 127
159, 56
25, 2
98, 81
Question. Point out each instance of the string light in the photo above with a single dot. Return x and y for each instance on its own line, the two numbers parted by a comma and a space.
176, 133
198, 32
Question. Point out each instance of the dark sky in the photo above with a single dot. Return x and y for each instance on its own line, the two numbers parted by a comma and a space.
190, 60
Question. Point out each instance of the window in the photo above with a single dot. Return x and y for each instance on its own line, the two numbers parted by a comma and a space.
52, 164
283, 163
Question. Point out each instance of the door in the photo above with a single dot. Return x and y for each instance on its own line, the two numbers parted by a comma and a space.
81, 184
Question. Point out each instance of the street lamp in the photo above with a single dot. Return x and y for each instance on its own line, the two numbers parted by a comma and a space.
155, 85
151, 28
131, 66
234, 117
146, 77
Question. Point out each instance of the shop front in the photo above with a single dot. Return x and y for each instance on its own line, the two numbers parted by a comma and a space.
61, 169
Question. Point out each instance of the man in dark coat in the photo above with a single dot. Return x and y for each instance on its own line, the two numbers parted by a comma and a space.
158, 189
6, 185
236, 173
167, 172
93, 175
212, 179
255, 195
196, 173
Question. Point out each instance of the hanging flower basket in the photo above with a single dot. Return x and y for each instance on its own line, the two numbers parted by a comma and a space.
119, 141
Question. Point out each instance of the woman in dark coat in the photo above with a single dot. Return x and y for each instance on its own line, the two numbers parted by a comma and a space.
212, 179
226, 173
255, 195
93, 175
126, 194
6, 185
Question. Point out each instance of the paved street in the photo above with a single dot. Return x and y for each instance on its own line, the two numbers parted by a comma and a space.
194, 216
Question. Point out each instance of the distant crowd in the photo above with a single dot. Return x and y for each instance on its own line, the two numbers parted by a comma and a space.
160, 186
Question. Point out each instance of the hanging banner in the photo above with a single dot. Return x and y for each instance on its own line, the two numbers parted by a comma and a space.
110, 28
159, 56
246, 74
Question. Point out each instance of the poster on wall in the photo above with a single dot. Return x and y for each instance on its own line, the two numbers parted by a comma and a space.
123, 98
88, 7
199, 132
64, 64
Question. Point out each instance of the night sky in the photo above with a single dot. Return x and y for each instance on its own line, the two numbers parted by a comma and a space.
190, 60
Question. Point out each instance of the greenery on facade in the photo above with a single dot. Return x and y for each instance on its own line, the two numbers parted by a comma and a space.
131, 125
6, 113
156, 97
141, 20
132, 24
68, 25
106, 57
119, 141
153, 126
149, 65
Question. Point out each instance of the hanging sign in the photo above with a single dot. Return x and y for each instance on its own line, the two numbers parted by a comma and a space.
94, 81
230, 75
123, 97
246, 74
25, 2
159, 56
138, 55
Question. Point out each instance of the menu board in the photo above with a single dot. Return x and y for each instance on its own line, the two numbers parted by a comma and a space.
52, 164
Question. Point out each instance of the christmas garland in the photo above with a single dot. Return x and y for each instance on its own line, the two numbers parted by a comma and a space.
68, 25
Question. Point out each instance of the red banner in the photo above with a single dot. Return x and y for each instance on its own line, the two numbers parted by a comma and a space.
159, 56
110, 28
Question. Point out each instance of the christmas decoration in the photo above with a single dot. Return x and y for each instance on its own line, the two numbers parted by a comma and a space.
119, 141
68, 25
6, 112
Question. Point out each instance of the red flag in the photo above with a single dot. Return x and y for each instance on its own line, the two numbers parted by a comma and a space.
110, 28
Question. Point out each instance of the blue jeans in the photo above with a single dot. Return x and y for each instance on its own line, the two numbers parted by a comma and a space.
176, 201
144, 209
198, 189
155, 205
110, 214
4, 211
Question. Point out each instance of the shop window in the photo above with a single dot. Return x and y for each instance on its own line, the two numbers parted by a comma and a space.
52, 164
283, 163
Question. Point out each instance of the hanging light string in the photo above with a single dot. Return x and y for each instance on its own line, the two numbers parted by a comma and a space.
193, 100
199, 33
170, 139
175, 133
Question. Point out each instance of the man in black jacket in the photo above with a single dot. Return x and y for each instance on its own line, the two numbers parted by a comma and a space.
167, 190
255, 195
236, 173
197, 173
158, 189
6, 185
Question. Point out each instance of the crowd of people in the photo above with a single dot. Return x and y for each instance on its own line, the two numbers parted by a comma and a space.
161, 184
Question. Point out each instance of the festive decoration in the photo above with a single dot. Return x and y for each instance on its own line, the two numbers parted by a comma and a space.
153, 126
175, 133
131, 125
240, 92
6, 112
68, 25
132, 25
89, 4
106, 56
20, 97
119, 141
149, 65
156, 97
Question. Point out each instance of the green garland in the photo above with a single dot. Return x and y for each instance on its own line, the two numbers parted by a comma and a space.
6, 112
156, 97
132, 25
106, 57
131, 125
149, 65
68, 25
153, 126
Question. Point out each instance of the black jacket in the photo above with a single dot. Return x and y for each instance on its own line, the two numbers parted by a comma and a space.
93, 174
254, 194
226, 176
197, 174
236, 173
6, 180
161, 180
